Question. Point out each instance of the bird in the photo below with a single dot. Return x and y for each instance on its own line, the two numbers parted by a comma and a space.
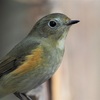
36, 58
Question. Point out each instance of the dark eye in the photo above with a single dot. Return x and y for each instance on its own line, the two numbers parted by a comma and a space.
52, 23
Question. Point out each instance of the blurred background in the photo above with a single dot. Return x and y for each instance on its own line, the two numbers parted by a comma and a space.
78, 76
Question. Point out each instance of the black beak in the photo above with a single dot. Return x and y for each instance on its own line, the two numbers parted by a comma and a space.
71, 22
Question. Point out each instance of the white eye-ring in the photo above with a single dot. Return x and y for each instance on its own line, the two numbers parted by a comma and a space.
52, 23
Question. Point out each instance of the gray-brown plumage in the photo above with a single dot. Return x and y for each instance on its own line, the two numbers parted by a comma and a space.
35, 59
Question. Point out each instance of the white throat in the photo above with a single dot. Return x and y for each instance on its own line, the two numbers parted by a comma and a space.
61, 43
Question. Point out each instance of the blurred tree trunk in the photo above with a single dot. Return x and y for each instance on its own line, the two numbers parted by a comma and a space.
80, 70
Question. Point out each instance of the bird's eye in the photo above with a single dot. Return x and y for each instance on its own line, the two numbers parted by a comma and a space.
52, 24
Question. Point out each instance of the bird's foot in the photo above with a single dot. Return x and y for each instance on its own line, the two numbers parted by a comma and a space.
20, 96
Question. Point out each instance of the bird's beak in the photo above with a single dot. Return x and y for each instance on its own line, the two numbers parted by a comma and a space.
71, 22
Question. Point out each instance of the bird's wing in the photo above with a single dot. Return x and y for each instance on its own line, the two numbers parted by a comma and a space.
7, 65
17, 55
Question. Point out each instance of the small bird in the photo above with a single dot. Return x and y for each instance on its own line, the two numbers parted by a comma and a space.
35, 59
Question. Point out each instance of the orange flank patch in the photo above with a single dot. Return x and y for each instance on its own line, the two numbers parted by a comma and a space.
32, 61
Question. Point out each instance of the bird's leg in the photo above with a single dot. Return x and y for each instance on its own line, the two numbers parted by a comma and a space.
26, 96
18, 95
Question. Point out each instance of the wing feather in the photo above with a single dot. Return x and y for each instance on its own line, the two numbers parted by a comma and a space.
7, 64
16, 56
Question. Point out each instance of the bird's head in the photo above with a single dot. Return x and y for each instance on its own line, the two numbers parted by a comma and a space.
53, 26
